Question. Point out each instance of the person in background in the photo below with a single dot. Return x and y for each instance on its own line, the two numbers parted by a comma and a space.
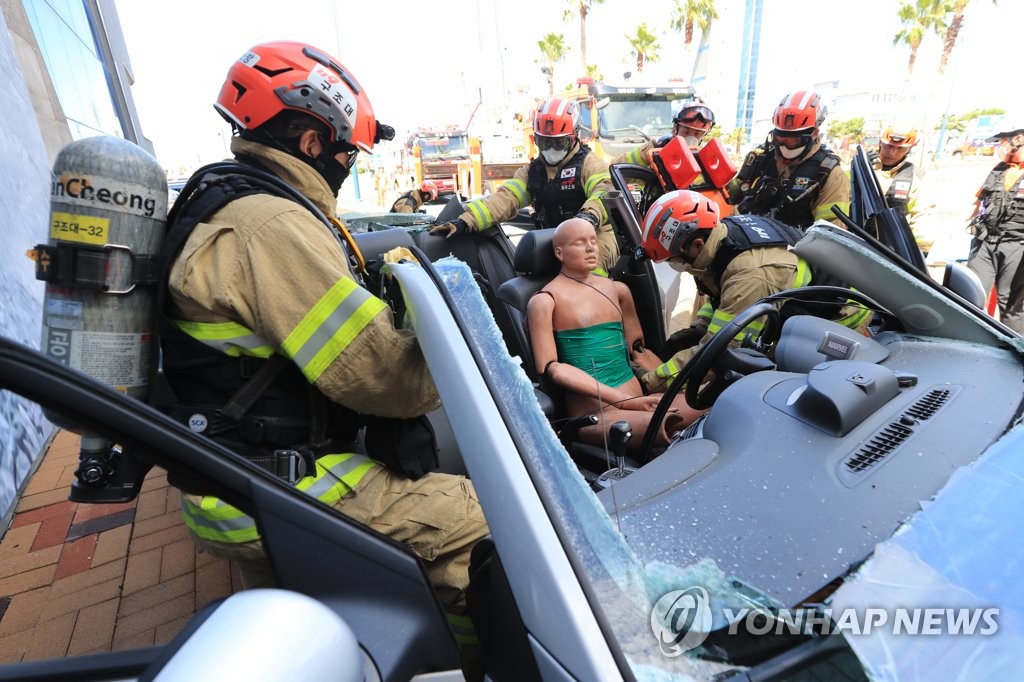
566, 180
895, 174
413, 200
998, 228
793, 177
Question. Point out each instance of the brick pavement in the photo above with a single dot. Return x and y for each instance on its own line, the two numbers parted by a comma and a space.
82, 578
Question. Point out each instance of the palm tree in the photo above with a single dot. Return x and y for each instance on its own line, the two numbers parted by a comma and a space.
690, 14
645, 46
956, 25
594, 71
919, 17
582, 7
552, 49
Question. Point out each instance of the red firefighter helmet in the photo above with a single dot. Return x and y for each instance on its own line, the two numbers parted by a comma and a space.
674, 220
557, 118
556, 124
278, 76
799, 112
429, 190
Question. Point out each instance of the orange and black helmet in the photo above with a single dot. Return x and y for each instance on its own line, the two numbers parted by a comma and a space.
279, 76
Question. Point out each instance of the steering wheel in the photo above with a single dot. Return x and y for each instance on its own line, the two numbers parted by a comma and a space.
693, 372
712, 352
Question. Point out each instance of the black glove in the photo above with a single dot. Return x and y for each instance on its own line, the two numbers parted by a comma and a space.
451, 228
683, 339
872, 157
588, 216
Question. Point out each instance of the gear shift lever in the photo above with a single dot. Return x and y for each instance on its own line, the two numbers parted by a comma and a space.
618, 435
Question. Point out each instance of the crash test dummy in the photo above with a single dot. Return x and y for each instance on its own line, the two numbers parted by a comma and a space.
585, 332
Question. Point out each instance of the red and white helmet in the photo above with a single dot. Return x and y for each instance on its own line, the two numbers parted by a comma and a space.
274, 77
799, 112
797, 119
557, 118
674, 220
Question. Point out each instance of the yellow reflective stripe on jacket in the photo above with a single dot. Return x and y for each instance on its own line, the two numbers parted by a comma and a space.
824, 212
214, 519
481, 214
803, 274
706, 312
593, 181
518, 188
229, 338
636, 156
720, 319
329, 327
667, 370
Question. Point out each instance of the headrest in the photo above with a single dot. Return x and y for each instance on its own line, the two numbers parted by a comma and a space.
535, 255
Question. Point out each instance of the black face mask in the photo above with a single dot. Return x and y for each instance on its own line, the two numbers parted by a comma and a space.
332, 171
325, 164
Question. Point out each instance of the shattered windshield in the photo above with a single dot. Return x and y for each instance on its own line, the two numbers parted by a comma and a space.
649, 117
444, 146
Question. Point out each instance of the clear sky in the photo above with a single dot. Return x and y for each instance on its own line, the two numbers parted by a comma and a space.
431, 62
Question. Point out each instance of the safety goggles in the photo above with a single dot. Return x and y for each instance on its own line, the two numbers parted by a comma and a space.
561, 143
699, 115
792, 140
897, 140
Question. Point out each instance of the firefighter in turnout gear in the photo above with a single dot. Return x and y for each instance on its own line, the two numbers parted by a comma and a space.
998, 224
566, 180
895, 174
693, 123
413, 200
793, 177
734, 262
273, 347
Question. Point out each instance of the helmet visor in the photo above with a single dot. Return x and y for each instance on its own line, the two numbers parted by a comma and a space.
561, 143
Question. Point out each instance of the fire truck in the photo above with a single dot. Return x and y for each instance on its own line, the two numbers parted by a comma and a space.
617, 118
449, 157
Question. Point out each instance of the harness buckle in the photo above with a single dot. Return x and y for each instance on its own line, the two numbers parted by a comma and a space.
289, 465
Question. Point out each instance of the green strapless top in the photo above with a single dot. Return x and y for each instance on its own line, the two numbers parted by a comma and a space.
600, 351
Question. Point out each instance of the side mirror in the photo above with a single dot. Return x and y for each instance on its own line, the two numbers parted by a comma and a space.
961, 280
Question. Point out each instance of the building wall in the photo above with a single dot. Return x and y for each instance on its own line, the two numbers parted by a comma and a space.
66, 77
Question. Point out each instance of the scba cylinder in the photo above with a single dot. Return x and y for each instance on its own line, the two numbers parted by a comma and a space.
108, 210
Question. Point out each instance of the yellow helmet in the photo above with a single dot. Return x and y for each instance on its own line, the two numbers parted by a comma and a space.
899, 137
